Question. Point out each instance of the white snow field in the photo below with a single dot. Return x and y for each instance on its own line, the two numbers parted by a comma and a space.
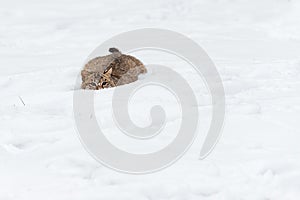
255, 46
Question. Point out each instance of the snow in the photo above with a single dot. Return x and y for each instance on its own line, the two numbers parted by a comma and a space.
255, 46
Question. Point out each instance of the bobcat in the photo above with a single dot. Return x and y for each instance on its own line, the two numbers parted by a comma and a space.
111, 70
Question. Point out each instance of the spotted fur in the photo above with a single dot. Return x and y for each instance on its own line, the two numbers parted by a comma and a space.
111, 70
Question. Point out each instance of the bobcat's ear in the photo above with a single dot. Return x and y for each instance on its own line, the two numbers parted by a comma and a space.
108, 71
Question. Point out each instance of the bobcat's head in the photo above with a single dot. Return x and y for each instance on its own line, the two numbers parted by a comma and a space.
106, 80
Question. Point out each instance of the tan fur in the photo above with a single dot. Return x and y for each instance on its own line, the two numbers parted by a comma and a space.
111, 70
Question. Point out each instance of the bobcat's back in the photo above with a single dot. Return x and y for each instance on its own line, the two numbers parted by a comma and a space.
126, 69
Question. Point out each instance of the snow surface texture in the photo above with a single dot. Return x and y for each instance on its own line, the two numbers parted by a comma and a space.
255, 45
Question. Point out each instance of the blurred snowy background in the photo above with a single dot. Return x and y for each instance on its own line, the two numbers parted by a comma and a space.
255, 45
